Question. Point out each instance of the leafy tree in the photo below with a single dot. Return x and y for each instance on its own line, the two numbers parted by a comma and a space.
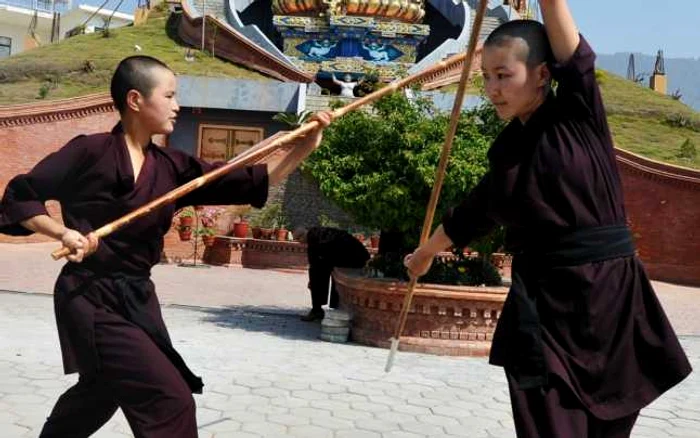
379, 165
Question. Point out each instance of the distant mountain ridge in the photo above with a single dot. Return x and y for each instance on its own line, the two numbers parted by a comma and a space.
682, 73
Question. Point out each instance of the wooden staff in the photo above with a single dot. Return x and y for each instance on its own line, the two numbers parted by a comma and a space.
440, 173
261, 151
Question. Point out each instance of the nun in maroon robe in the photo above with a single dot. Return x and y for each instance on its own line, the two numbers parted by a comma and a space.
582, 330
110, 327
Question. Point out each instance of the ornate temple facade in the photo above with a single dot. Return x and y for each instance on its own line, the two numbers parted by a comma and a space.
351, 37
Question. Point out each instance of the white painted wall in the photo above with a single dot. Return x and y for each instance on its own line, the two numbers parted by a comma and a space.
14, 23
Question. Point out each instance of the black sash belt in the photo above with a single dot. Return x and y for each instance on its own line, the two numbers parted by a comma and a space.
517, 341
133, 293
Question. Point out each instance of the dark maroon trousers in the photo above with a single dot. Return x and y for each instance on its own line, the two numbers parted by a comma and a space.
554, 412
135, 376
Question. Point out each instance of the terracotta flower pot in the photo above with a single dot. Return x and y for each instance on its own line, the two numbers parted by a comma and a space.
257, 232
498, 260
240, 229
208, 240
185, 234
186, 221
281, 234
374, 241
266, 233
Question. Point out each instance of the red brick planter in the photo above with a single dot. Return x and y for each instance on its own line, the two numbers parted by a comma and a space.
257, 254
445, 320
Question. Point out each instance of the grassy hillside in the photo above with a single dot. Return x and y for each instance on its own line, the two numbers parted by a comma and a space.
645, 122
648, 123
84, 64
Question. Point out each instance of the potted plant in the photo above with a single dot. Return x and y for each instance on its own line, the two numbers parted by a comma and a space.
280, 227
207, 234
186, 217
384, 186
184, 232
209, 215
374, 241
240, 227
264, 222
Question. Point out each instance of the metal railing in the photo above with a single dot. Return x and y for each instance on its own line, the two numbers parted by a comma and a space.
40, 5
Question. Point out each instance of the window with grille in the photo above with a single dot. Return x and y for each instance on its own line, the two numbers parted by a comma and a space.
223, 142
5, 46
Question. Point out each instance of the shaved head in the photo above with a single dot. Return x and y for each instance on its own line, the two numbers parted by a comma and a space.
134, 73
527, 37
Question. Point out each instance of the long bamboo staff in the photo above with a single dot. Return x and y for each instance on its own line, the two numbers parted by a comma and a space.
248, 158
440, 173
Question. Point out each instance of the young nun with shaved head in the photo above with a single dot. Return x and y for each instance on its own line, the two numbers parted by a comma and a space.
109, 322
582, 337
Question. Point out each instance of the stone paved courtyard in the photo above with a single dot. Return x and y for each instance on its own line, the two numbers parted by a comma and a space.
267, 374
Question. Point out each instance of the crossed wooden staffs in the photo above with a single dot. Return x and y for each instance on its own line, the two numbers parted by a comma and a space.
266, 147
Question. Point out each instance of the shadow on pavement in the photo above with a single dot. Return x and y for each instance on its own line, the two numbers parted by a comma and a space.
278, 321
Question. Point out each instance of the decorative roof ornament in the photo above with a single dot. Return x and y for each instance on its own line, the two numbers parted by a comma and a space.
659, 68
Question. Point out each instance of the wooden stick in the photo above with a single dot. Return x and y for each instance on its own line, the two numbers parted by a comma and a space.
440, 173
250, 157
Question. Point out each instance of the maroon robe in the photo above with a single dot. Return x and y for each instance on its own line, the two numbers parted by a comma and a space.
93, 179
603, 332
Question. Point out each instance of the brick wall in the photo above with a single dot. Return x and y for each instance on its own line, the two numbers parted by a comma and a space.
22, 146
663, 207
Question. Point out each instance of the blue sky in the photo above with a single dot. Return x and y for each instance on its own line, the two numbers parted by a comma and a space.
642, 26
612, 26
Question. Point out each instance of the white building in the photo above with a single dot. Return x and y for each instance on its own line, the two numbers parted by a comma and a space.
25, 24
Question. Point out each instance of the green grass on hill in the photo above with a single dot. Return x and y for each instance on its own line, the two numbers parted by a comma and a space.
648, 123
61, 67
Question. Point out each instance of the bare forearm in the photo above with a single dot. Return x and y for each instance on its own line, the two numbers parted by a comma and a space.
561, 28
438, 242
45, 225
281, 166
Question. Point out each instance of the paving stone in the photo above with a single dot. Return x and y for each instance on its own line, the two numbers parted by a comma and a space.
271, 392
310, 395
369, 407
291, 385
21, 399
238, 434
349, 397
289, 402
686, 424
378, 425
288, 419
264, 428
329, 405
226, 425
352, 415
329, 388
401, 434
356, 434
309, 412
332, 423
411, 409
12, 430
